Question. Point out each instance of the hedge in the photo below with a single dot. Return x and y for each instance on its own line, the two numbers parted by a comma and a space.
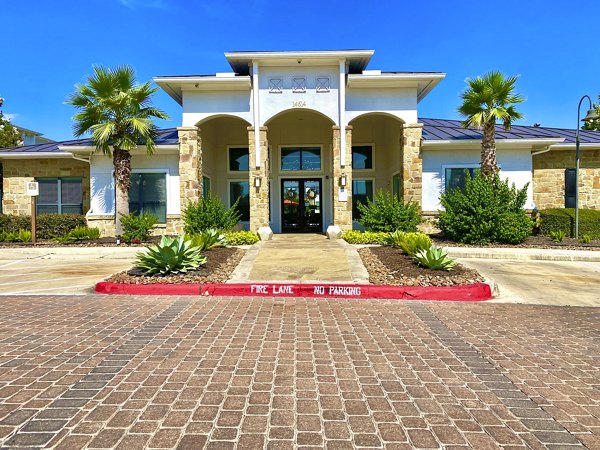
564, 219
48, 226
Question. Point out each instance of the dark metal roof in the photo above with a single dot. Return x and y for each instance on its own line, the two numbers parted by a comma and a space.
443, 129
166, 136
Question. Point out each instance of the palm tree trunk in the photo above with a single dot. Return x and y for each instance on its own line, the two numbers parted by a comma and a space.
489, 167
122, 167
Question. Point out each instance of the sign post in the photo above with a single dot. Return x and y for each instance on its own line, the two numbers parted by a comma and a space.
33, 190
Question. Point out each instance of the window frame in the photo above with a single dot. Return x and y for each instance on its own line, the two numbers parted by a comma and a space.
167, 173
364, 144
236, 172
455, 166
208, 177
59, 203
238, 180
300, 172
372, 180
397, 173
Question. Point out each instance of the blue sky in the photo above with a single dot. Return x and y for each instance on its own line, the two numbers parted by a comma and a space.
47, 47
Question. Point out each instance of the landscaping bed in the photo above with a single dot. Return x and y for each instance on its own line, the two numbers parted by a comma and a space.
537, 241
101, 242
220, 263
389, 266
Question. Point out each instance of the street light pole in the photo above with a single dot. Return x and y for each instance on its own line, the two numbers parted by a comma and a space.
591, 115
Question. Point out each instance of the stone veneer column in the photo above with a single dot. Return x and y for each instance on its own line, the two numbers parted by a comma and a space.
190, 165
412, 164
342, 210
259, 196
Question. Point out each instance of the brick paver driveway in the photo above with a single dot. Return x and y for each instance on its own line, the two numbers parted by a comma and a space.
103, 372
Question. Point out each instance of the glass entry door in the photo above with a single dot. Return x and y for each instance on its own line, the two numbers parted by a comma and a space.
301, 207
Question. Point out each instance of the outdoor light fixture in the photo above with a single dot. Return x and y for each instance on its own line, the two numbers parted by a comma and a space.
343, 180
257, 182
591, 115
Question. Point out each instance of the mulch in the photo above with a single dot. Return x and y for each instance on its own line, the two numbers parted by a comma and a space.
101, 242
220, 263
537, 241
389, 266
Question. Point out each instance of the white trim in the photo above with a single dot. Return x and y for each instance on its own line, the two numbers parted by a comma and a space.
255, 100
464, 142
342, 112
33, 155
230, 172
365, 144
582, 146
279, 159
300, 54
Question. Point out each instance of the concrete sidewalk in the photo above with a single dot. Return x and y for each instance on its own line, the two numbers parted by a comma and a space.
524, 254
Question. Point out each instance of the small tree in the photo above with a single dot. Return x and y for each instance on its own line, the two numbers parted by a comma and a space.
388, 213
9, 135
118, 113
488, 99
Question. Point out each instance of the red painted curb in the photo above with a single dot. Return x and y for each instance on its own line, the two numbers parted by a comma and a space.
466, 293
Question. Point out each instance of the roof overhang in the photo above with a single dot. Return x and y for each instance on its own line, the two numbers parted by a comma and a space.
357, 60
571, 146
424, 82
33, 155
441, 144
175, 85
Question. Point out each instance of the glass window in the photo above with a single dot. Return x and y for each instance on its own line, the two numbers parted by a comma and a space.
455, 177
570, 183
300, 158
239, 160
361, 191
241, 190
205, 186
60, 196
396, 186
148, 193
362, 157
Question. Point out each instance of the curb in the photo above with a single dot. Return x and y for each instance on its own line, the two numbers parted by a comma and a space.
466, 293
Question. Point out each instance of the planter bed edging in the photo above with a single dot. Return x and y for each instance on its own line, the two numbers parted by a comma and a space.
464, 293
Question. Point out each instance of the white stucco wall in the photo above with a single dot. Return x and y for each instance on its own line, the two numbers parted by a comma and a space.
515, 164
102, 189
398, 102
199, 105
272, 103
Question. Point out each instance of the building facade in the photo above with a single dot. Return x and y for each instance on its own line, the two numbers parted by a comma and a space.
296, 140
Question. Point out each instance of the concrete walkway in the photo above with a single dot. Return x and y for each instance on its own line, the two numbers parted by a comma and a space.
302, 258
524, 254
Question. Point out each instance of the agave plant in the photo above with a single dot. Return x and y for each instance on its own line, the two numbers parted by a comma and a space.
435, 258
207, 239
170, 256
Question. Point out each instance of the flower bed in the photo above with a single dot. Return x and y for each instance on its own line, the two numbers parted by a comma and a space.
389, 266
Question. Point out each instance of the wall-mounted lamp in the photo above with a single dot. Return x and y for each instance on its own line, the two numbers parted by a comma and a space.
257, 182
343, 180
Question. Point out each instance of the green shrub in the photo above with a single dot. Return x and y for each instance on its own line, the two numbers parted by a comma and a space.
585, 239
170, 256
513, 228
80, 234
485, 211
434, 258
387, 213
241, 238
210, 212
410, 243
48, 226
557, 236
564, 219
207, 239
367, 237
16, 236
137, 227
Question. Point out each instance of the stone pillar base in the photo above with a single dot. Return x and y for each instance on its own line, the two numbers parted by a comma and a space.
412, 164
259, 196
342, 195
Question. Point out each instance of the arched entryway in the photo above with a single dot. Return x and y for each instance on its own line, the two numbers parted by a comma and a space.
300, 176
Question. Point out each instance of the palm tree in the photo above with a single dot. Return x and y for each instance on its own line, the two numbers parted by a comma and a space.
118, 113
488, 99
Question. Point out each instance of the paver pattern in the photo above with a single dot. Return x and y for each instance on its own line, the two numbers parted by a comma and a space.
149, 372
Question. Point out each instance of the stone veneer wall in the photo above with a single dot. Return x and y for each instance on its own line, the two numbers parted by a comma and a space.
412, 163
342, 211
259, 196
106, 224
190, 164
549, 178
19, 171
